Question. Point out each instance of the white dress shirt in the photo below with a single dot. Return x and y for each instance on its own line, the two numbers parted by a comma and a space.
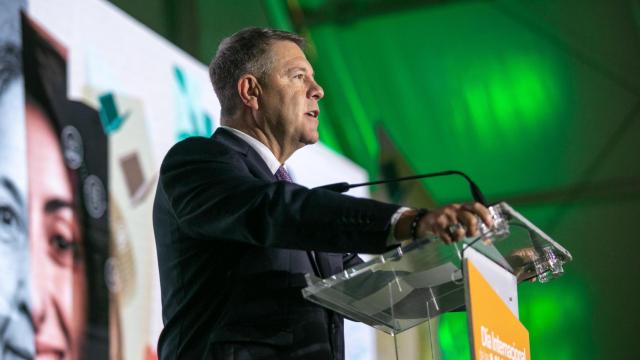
265, 153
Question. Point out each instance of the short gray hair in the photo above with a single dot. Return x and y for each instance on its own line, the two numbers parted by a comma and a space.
245, 52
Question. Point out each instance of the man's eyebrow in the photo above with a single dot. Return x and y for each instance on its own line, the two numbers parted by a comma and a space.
13, 190
57, 204
302, 68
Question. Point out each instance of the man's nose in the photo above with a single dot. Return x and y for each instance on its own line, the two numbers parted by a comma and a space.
316, 92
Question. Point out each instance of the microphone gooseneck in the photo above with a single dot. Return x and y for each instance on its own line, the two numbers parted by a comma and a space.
475, 190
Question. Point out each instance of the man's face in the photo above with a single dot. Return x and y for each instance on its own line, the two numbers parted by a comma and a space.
57, 270
289, 102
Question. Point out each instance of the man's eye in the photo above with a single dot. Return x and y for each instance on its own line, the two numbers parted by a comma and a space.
299, 76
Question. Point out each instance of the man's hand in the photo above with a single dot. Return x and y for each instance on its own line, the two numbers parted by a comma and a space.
448, 223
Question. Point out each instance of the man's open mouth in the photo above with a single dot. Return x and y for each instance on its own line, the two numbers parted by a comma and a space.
313, 113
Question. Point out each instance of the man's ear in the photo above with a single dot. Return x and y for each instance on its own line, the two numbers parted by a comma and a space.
249, 90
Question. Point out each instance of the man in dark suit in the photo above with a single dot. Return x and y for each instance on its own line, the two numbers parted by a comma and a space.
235, 236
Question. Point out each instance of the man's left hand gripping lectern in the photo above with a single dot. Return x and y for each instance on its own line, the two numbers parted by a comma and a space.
407, 286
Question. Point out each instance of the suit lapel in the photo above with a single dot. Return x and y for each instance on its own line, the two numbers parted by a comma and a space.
260, 170
255, 163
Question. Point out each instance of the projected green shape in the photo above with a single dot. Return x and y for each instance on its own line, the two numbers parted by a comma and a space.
191, 118
110, 117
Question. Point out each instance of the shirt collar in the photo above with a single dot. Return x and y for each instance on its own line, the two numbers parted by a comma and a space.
265, 153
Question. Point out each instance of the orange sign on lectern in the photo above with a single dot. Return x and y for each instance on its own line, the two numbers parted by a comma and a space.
496, 333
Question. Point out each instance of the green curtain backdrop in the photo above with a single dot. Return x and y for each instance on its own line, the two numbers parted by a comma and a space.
536, 106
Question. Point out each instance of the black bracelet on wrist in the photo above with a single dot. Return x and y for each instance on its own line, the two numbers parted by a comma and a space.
414, 223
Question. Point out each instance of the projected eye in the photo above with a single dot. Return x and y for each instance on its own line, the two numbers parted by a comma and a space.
8, 217
61, 244
64, 248
10, 224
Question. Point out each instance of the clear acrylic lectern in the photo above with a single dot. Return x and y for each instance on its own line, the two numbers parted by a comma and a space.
409, 285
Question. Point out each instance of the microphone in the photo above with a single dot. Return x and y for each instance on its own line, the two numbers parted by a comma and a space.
475, 190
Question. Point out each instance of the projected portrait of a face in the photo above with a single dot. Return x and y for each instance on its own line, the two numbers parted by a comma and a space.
16, 331
56, 243
16, 334
68, 227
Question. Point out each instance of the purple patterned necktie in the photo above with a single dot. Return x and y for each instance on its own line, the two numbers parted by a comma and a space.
282, 174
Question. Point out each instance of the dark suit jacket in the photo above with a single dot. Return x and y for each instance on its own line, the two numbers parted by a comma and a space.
232, 251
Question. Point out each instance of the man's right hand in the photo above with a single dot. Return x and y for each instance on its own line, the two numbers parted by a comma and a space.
440, 222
